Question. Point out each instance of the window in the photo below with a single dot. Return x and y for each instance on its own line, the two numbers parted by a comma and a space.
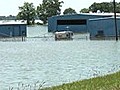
100, 33
72, 22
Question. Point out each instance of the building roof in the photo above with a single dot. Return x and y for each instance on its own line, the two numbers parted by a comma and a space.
102, 14
11, 22
89, 14
105, 18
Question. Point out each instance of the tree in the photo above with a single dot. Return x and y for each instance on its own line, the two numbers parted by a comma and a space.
95, 7
48, 8
118, 7
27, 12
84, 10
69, 11
104, 7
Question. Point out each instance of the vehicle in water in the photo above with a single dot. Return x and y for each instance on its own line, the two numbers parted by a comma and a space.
64, 35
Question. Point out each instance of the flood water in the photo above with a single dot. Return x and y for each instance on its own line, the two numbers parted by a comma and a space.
55, 62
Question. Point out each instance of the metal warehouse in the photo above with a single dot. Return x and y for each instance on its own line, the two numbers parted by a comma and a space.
12, 29
104, 27
78, 23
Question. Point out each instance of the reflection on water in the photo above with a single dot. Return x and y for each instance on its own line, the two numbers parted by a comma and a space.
55, 62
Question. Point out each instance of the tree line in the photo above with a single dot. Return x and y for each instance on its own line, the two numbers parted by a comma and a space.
102, 7
10, 17
49, 8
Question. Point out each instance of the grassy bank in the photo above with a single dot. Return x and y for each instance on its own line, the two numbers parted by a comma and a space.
108, 82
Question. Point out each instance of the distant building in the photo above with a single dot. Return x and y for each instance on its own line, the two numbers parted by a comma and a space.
12, 29
94, 23
77, 23
103, 27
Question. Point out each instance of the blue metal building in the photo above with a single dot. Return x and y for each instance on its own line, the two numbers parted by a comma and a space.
12, 29
103, 27
78, 23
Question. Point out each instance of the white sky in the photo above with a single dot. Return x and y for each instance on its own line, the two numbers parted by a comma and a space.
10, 7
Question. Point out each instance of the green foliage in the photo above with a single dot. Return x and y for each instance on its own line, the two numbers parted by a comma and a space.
10, 17
84, 10
27, 12
69, 11
108, 82
48, 8
104, 7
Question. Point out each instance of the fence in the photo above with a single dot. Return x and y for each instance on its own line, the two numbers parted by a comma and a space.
12, 39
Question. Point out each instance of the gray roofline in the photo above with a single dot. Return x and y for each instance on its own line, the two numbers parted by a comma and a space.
85, 14
12, 24
105, 18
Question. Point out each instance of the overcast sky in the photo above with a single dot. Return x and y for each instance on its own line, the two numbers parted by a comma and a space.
10, 7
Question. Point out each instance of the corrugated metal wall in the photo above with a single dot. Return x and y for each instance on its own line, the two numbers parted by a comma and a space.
12, 30
54, 26
105, 25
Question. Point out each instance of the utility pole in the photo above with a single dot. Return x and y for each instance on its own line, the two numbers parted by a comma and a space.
114, 4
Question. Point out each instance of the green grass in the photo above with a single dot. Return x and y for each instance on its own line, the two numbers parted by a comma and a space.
108, 82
